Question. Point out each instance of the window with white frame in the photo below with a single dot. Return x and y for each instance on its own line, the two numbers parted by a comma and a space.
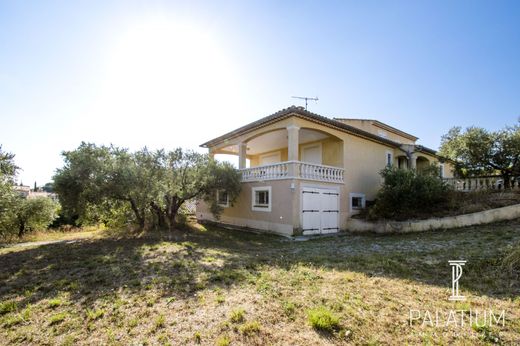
357, 201
261, 199
389, 159
222, 198
441, 170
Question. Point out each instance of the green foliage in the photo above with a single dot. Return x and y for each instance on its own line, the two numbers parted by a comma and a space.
93, 315
149, 188
250, 328
478, 151
223, 340
35, 213
323, 319
19, 215
407, 192
237, 315
7, 307
57, 318
8, 197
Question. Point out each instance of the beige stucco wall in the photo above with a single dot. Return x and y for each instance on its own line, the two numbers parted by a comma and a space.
331, 152
278, 220
285, 215
368, 126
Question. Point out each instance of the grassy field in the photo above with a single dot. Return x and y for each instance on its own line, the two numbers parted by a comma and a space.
214, 286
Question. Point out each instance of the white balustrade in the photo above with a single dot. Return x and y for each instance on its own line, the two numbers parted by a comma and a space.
490, 182
293, 170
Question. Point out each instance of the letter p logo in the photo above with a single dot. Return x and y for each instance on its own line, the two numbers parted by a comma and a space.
456, 273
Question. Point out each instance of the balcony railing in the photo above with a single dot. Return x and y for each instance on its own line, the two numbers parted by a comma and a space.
490, 182
293, 170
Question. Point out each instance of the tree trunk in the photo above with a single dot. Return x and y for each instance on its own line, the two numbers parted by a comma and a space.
507, 182
172, 216
21, 229
138, 216
161, 220
172, 207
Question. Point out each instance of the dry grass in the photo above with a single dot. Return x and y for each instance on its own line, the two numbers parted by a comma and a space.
223, 287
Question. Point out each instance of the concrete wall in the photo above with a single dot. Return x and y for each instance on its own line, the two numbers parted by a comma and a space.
483, 217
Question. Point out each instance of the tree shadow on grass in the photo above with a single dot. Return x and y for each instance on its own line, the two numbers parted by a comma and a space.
181, 263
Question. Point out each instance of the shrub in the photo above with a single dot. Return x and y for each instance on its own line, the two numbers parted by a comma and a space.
58, 318
223, 340
54, 303
406, 193
250, 328
237, 315
8, 306
323, 319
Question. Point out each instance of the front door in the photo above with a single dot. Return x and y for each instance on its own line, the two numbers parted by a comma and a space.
320, 211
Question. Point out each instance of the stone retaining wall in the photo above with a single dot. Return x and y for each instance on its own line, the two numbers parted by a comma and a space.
488, 216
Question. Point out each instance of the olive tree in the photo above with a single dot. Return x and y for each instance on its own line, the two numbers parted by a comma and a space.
153, 185
478, 151
35, 214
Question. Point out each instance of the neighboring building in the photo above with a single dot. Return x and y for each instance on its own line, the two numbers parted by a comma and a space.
36, 194
27, 192
308, 174
23, 190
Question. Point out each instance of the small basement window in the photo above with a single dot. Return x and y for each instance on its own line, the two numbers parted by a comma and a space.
261, 198
222, 198
357, 201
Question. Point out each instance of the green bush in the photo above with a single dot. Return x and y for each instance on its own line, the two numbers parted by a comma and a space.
323, 319
407, 193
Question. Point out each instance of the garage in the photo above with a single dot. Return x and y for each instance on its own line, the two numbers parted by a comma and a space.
320, 210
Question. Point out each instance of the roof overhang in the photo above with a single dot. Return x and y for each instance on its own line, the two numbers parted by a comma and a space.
299, 112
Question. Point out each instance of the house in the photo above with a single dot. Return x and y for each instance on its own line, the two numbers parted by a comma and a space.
23, 190
303, 173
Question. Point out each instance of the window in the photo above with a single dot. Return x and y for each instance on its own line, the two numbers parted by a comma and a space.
222, 198
389, 159
441, 170
261, 198
357, 201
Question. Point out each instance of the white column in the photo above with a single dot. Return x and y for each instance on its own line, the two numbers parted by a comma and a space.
292, 142
413, 161
242, 154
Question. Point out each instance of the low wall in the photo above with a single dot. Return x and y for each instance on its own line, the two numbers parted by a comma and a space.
487, 216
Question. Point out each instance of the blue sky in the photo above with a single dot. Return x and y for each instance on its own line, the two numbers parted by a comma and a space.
169, 74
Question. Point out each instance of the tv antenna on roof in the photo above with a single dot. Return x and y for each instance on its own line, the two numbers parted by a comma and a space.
306, 99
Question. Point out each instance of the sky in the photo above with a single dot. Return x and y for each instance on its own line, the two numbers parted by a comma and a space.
167, 74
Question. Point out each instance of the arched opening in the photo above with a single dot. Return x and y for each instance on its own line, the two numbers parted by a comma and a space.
422, 164
314, 146
402, 162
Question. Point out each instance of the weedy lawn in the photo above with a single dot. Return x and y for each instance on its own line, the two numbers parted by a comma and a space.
208, 285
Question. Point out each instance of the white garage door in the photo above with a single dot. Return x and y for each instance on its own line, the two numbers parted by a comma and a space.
320, 211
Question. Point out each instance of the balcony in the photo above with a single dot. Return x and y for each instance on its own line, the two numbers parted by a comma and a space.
293, 170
